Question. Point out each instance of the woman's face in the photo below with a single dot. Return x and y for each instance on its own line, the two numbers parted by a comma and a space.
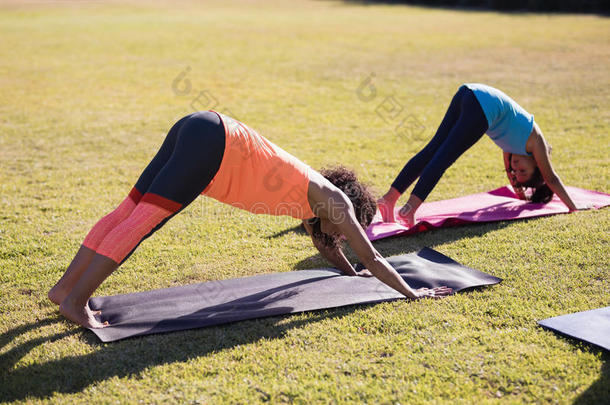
524, 167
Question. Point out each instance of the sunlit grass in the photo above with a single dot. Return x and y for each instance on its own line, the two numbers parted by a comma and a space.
88, 95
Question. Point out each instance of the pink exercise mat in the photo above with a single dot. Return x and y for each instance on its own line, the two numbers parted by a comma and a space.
497, 205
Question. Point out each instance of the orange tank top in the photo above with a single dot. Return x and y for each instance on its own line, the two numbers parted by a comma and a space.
258, 176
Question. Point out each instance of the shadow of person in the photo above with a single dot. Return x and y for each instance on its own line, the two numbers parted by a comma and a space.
401, 244
203, 304
10, 335
197, 305
298, 229
72, 374
13, 355
507, 210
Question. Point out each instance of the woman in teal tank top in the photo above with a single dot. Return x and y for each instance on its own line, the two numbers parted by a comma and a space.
477, 109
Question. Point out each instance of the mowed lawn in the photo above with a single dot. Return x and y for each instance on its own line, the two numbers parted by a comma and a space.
87, 93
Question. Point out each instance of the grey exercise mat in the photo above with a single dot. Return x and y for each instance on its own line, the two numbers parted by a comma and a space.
224, 301
589, 326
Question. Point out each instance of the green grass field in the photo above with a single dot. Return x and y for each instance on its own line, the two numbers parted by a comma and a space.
88, 91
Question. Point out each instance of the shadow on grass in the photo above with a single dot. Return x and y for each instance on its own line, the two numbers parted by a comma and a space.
12, 356
402, 244
298, 229
599, 391
9, 336
72, 374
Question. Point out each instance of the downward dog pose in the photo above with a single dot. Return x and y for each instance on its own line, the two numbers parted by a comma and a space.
477, 109
211, 154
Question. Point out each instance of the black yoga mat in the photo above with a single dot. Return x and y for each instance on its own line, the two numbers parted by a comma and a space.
589, 326
224, 301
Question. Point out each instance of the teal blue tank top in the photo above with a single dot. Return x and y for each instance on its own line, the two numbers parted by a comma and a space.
509, 124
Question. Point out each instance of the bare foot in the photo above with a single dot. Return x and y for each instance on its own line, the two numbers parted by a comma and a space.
57, 294
92, 312
75, 270
407, 215
386, 209
80, 314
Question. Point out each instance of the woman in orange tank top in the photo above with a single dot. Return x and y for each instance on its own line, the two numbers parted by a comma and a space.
212, 154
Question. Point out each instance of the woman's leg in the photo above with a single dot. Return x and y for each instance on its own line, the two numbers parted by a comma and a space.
417, 163
110, 221
87, 250
469, 128
192, 165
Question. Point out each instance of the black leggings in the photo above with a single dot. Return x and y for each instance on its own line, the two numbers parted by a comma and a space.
464, 124
187, 161
184, 166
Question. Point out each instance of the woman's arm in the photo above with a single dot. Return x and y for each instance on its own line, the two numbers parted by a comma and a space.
334, 255
330, 203
540, 151
376, 264
511, 177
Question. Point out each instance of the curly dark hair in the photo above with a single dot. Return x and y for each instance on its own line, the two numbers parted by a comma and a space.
541, 192
362, 199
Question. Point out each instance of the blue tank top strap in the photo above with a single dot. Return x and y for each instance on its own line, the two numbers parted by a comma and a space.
509, 124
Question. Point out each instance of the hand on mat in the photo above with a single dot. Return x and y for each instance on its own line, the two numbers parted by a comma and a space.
437, 292
512, 178
583, 207
364, 273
